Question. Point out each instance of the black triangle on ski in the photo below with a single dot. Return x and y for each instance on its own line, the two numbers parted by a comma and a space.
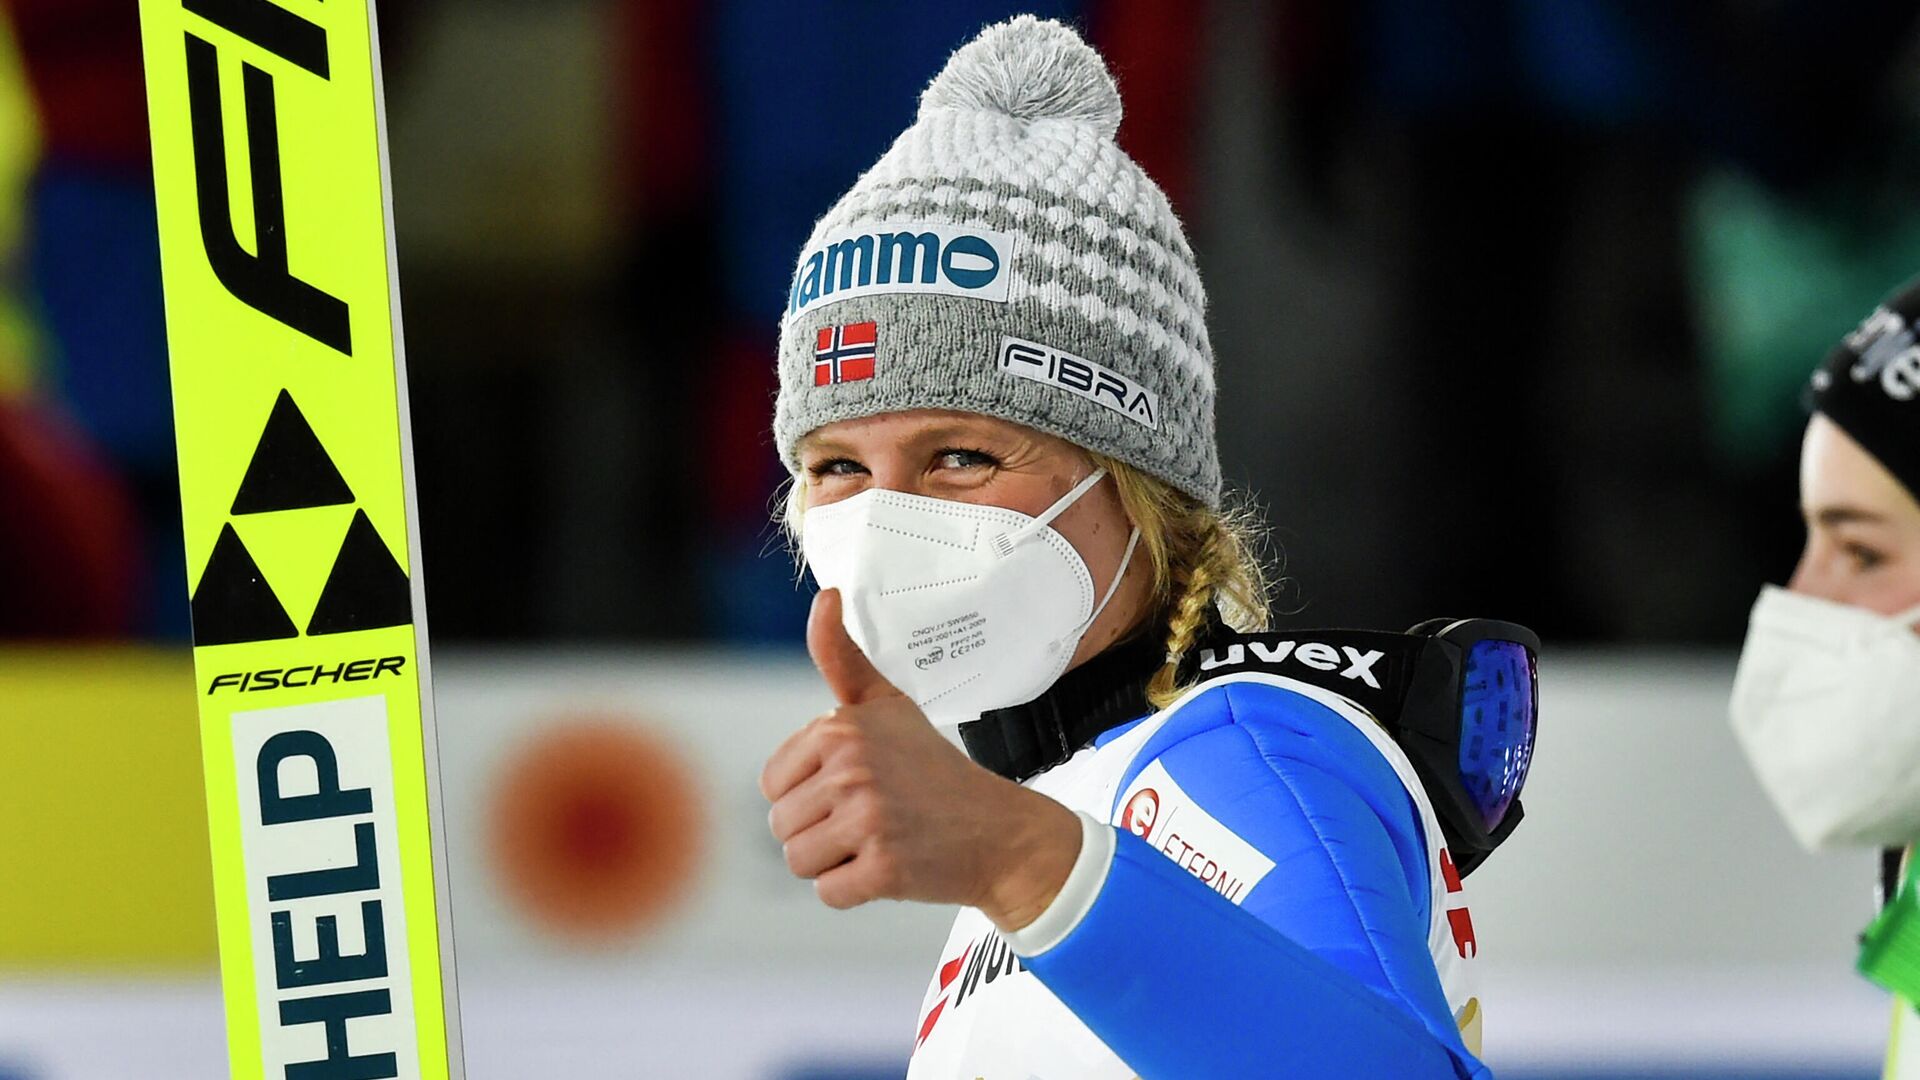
233, 603
367, 589
290, 469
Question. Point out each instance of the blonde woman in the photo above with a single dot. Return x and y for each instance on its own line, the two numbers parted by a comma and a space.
1178, 851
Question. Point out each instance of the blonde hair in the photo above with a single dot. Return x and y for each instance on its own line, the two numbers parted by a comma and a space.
1203, 559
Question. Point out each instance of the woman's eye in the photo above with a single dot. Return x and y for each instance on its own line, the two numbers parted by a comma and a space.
1864, 558
835, 467
964, 459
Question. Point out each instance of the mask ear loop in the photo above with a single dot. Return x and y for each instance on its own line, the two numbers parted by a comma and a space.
1004, 543
1126, 560
1113, 586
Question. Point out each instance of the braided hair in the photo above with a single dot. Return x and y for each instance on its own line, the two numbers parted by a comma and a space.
1203, 560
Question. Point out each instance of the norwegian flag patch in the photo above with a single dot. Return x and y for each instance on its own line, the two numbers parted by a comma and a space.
844, 353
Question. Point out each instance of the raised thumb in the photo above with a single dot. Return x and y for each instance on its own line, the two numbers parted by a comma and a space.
849, 674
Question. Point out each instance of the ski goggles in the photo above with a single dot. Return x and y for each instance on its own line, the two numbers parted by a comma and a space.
1468, 722
1461, 697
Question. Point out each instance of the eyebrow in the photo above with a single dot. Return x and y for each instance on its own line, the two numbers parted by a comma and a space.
1832, 516
811, 444
937, 433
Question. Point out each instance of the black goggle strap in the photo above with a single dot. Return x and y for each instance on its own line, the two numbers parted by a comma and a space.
1374, 668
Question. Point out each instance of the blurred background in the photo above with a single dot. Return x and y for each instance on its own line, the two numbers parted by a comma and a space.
1512, 303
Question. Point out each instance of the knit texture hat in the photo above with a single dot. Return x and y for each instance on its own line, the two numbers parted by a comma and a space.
1005, 257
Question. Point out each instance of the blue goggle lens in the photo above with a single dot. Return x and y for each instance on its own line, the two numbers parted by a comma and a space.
1496, 725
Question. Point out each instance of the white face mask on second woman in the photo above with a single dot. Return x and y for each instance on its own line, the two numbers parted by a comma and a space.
1826, 704
963, 607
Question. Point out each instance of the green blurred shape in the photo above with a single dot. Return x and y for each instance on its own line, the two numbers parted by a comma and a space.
1779, 280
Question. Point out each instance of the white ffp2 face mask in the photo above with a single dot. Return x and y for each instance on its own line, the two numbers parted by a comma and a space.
963, 607
1826, 704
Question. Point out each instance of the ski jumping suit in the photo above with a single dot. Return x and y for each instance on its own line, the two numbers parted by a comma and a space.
1277, 902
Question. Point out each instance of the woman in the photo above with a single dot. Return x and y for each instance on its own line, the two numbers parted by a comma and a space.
1826, 702
996, 398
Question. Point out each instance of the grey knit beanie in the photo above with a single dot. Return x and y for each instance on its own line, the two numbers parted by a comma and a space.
1005, 257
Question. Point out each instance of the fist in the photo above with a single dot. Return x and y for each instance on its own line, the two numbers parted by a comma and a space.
870, 802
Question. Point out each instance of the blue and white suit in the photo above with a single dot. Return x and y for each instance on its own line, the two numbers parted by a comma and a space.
1263, 891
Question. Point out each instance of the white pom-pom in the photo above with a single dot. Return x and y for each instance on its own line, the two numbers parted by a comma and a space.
1031, 69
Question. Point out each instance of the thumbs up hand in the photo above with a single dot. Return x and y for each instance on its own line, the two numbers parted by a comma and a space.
849, 674
870, 802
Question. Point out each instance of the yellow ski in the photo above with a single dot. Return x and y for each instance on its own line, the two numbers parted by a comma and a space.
310, 644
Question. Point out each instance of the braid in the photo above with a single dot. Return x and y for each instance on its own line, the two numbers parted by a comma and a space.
1195, 588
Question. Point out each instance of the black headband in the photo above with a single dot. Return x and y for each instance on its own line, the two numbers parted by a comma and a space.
1870, 386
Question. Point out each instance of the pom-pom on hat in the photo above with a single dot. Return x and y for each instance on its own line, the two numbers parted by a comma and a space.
1005, 257
1029, 70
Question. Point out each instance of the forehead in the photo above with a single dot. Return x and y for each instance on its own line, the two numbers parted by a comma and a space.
1835, 471
913, 427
